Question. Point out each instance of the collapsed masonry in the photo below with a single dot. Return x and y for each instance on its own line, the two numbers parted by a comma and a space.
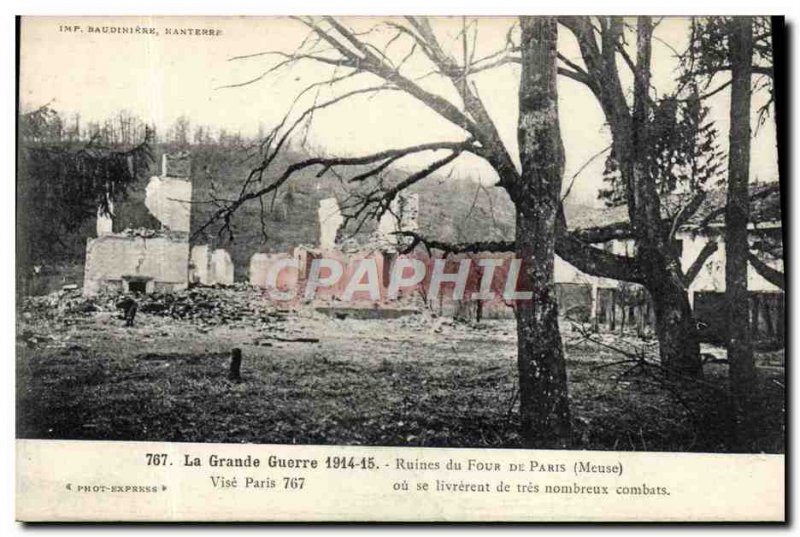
383, 246
330, 223
147, 260
402, 215
603, 302
210, 267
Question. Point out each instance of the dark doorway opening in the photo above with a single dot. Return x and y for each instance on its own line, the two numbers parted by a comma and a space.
138, 287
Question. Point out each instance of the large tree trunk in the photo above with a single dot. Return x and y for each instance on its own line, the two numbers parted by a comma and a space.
675, 327
658, 268
544, 407
740, 349
678, 343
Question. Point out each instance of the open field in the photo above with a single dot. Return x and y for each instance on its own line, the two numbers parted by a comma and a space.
415, 380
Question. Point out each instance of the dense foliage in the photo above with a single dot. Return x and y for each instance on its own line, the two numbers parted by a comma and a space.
63, 181
684, 154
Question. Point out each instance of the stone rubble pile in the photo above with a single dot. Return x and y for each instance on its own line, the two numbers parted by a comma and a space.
214, 305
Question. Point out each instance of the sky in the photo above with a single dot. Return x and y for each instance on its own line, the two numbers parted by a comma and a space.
163, 76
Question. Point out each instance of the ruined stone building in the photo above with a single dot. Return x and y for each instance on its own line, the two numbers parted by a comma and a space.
605, 303
157, 257
382, 244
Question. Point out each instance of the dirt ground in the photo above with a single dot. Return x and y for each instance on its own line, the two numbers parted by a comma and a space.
309, 378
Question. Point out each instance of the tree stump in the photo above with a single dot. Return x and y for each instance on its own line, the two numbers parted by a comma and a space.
235, 373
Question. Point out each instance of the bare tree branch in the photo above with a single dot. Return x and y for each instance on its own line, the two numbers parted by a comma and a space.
455, 248
582, 256
594, 261
773, 276
227, 209
375, 203
686, 212
350, 47
697, 265
486, 131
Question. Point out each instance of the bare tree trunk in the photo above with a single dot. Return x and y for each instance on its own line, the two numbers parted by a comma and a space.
678, 343
677, 334
740, 349
544, 407
659, 270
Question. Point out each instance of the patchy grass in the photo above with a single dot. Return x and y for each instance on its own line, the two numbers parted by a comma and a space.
366, 382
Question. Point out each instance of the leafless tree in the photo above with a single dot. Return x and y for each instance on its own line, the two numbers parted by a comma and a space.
380, 55
739, 344
534, 187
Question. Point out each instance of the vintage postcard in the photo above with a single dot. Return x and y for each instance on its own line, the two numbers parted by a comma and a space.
417, 269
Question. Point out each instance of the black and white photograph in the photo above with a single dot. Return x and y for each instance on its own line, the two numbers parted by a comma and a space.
309, 237
534, 232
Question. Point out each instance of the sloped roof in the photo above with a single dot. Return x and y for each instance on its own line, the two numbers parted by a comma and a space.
765, 206
588, 216
469, 213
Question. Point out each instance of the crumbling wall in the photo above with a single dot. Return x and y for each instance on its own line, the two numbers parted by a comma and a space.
221, 267
105, 221
198, 264
207, 267
112, 258
169, 200
260, 265
330, 220
403, 215
147, 259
